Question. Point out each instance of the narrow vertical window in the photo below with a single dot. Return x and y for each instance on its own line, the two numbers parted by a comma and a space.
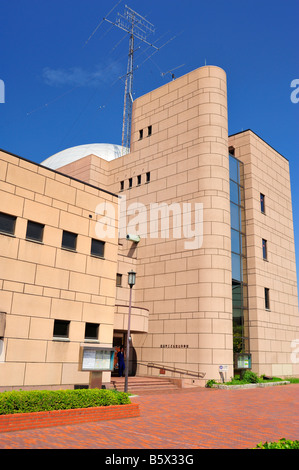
148, 177
130, 182
262, 199
138, 180
141, 134
267, 298
122, 185
149, 131
264, 245
119, 280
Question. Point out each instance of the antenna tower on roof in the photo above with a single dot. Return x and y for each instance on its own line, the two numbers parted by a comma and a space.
138, 28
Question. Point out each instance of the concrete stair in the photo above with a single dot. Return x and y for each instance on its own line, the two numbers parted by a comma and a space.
143, 385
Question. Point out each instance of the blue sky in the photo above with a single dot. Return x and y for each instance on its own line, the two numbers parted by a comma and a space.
62, 85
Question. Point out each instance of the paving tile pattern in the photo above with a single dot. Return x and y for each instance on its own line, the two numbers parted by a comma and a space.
187, 419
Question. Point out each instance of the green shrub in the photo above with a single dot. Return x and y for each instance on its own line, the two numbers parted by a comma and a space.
250, 377
210, 383
47, 400
281, 444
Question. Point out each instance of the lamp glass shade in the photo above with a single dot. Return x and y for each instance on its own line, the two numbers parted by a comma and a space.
131, 278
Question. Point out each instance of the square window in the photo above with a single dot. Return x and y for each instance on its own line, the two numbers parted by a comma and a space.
97, 248
262, 200
91, 331
35, 231
267, 298
69, 240
264, 245
61, 329
7, 223
118, 280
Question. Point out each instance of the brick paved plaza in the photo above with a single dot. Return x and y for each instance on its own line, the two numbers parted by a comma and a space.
186, 419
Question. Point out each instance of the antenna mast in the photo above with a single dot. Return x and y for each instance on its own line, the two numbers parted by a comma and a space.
137, 27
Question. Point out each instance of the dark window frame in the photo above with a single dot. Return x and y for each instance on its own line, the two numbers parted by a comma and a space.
138, 180
31, 228
148, 177
267, 298
265, 249
119, 280
122, 185
61, 324
90, 326
94, 251
140, 134
130, 183
10, 219
149, 130
262, 203
66, 246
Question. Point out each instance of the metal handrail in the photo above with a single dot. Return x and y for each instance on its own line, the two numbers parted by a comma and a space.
154, 365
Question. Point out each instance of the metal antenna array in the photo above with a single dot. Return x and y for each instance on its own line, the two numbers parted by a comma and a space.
138, 27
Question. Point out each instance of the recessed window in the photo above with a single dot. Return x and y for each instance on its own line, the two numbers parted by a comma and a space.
97, 248
267, 298
262, 200
61, 329
122, 185
92, 331
130, 182
138, 180
69, 240
148, 177
35, 231
149, 131
141, 134
264, 245
7, 223
119, 280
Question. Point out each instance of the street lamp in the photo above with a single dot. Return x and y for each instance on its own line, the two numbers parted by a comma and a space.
131, 282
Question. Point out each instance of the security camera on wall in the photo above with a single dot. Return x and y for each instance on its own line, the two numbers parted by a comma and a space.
133, 238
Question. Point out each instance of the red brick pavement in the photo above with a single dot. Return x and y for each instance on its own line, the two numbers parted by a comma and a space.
187, 419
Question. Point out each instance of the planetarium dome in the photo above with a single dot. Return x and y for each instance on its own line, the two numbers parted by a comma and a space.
106, 151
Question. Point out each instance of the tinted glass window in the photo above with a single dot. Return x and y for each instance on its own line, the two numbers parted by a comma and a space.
7, 223
236, 267
97, 248
267, 299
264, 244
234, 193
35, 231
262, 198
234, 170
69, 240
235, 214
236, 242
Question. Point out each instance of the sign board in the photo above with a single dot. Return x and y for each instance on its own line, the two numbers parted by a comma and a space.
243, 361
96, 358
223, 368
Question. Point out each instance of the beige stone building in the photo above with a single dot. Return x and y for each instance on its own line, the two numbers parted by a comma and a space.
215, 264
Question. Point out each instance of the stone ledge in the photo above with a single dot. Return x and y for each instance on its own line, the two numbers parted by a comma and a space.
236, 387
42, 419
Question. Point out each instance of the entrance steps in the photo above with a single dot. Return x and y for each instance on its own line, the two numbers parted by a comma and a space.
144, 384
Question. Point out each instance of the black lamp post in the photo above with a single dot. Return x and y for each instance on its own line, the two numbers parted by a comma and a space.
131, 282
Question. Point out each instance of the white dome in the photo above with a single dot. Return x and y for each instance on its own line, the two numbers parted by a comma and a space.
106, 151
